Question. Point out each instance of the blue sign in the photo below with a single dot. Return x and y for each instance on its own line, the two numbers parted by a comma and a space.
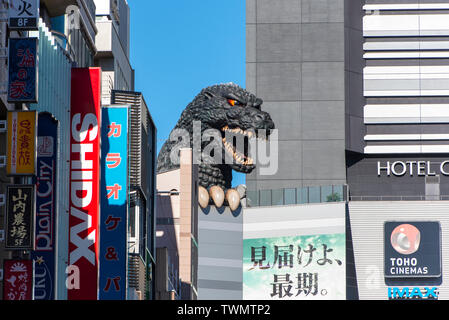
114, 205
23, 75
416, 293
45, 235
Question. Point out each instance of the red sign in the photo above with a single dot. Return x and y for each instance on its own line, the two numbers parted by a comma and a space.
18, 280
84, 182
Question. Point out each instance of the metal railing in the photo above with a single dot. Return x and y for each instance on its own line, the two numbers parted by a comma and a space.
292, 196
400, 198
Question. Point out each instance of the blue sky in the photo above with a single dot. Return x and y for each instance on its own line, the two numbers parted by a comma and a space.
179, 47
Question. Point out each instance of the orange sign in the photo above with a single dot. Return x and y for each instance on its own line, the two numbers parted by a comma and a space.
21, 142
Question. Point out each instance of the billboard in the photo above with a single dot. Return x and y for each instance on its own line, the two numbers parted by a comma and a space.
114, 204
23, 70
306, 267
20, 217
21, 143
412, 250
84, 181
18, 280
46, 189
23, 14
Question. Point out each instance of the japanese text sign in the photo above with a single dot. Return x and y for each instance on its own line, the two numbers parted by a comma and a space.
21, 146
23, 14
84, 181
114, 185
18, 280
23, 70
20, 217
44, 252
295, 268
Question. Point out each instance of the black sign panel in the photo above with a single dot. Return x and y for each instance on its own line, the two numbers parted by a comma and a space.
412, 250
23, 14
20, 202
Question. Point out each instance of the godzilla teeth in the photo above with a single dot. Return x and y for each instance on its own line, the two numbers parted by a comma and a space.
240, 158
249, 134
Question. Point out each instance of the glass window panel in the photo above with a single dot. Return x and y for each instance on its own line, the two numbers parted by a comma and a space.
277, 197
338, 193
302, 195
253, 199
314, 195
289, 196
265, 198
326, 194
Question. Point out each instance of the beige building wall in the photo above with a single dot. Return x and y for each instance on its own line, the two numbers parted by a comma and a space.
174, 213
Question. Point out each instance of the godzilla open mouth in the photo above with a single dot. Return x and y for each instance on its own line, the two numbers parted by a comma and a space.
240, 156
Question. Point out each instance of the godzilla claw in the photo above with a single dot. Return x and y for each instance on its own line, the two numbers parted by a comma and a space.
217, 194
233, 198
203, 197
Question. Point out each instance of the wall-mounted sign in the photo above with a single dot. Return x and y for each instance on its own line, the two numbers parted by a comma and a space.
46, 189
21, 143
23, 70
412, 168
308, 267
18, 280
20, 217
412, 250
84, 180
23, 14
114, 213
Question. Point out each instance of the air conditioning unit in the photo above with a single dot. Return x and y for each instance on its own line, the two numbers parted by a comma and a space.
2, 199
2, 235
1, 274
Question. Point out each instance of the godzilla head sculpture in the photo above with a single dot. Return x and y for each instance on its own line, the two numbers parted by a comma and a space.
226, 109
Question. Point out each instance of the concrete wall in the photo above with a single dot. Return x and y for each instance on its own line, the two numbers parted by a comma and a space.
220, 253
296, 64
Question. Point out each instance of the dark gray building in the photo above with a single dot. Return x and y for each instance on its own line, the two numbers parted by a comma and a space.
354, 87
296, 64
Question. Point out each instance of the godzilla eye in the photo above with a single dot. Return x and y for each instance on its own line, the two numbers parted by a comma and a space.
232, 102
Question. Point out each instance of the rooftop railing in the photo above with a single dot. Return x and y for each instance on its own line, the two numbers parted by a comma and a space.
292, 196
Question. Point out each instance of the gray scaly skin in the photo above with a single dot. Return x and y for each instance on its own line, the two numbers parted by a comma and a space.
213, 108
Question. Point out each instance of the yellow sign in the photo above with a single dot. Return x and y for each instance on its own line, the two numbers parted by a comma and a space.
22, 142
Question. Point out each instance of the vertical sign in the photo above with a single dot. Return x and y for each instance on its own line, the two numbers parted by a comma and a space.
21, 149
44, 252
23, 14
114, 185
23, 75
20, 217
84, 181
18, 280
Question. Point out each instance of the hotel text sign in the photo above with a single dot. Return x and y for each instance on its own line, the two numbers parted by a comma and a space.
412, 168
